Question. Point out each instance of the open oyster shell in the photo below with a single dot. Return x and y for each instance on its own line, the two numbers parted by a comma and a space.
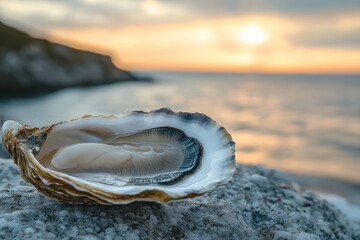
140, 156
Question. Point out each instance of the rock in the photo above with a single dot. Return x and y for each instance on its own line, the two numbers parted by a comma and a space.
29, 65
254, 205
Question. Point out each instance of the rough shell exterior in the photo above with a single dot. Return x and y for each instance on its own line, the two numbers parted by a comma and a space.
22, 142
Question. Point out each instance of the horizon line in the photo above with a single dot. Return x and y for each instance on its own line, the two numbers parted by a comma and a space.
165, 70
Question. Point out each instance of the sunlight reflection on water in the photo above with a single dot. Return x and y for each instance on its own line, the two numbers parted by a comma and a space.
302, 124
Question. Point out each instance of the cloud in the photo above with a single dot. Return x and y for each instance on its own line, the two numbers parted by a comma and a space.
85, 13
63, 13
269, 6
329, 38
90, 13
332, 39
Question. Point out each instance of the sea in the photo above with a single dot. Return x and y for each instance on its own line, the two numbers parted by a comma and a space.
305, 125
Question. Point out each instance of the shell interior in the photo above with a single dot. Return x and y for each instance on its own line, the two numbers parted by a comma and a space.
161, 155
155, 156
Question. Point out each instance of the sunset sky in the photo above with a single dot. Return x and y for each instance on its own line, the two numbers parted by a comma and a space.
319, 36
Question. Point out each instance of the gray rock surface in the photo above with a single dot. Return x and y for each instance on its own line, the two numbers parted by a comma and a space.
29, 65
257, 204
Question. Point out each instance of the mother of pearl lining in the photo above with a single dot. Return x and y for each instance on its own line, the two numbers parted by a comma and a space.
120, 159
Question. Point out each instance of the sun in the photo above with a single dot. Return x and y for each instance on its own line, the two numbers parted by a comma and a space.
251, 35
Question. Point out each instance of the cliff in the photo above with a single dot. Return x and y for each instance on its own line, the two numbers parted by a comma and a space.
29, 65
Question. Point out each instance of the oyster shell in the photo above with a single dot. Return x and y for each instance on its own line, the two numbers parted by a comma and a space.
139, 156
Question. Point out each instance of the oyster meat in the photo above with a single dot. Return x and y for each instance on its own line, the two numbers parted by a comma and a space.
139, 156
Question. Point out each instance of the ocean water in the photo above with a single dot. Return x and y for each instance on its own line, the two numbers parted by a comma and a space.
303, 124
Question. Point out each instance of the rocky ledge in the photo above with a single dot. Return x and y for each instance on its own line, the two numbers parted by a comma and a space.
30, 65
257, 204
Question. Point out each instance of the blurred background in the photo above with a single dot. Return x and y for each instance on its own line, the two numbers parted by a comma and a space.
282, 76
